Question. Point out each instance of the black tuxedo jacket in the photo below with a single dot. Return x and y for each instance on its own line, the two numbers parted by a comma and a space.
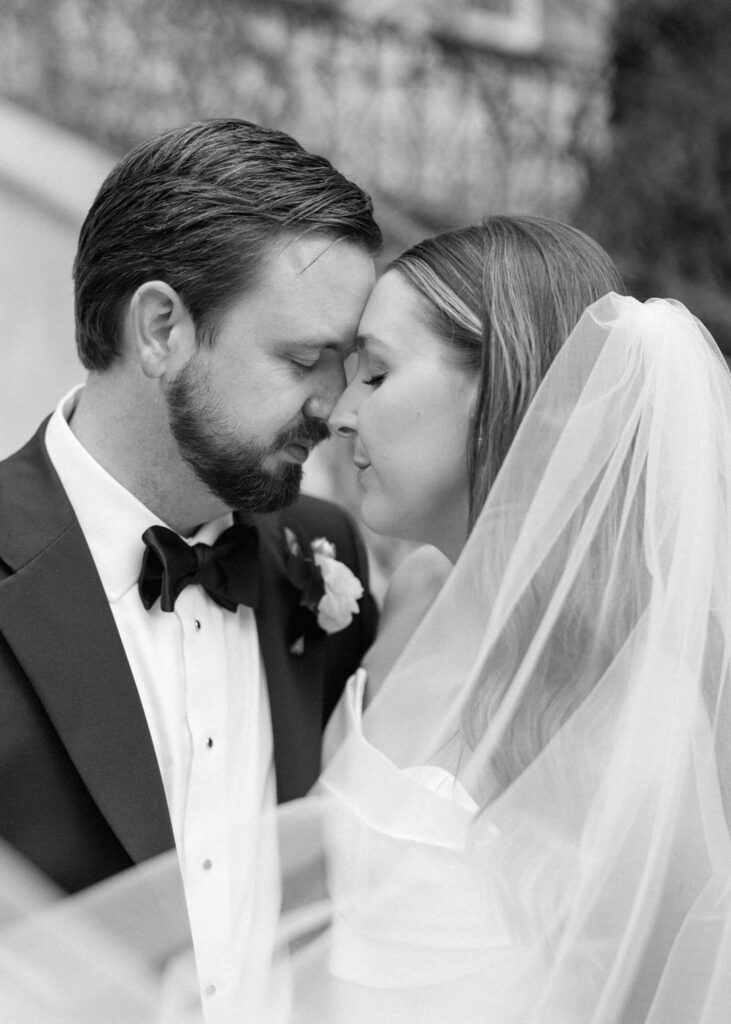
80, 791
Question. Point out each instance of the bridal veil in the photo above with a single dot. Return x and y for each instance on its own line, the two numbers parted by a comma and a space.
571, 684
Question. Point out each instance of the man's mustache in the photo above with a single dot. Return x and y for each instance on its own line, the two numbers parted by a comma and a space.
307, 434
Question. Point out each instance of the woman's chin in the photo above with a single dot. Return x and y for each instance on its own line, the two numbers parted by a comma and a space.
386, 522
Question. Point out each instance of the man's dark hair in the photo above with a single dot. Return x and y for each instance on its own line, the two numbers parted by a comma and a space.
198, 207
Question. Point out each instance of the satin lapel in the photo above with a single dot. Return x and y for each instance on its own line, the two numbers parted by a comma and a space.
294, 680
55, 616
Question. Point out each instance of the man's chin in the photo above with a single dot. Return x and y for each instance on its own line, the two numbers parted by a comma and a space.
287, 491
270, 492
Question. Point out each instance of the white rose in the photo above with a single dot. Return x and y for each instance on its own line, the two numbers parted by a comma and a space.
323, 546
339, 603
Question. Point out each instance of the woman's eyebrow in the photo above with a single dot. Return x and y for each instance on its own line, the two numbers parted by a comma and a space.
369, 341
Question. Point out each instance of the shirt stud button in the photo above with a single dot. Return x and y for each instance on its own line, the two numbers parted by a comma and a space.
209, 742
210, 990
207, 864
197, 625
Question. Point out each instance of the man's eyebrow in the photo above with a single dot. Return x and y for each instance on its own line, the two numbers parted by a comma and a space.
313, 345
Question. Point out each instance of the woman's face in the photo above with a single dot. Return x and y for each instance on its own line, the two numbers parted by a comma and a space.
409, 408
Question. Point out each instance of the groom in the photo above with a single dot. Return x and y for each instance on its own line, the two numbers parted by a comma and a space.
166, 666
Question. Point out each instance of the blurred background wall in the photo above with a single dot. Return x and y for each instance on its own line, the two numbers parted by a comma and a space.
48, 179
612, 114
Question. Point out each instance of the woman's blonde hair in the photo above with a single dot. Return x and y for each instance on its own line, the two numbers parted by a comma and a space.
504, 295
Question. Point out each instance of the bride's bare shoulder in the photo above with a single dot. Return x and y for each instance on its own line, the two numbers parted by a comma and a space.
411, 592
416, 581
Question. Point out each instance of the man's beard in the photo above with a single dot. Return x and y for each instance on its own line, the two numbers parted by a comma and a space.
233, 470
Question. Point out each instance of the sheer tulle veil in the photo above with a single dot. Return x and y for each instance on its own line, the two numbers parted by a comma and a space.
572, 681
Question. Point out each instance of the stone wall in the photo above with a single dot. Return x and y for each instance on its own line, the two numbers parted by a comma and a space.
441, 127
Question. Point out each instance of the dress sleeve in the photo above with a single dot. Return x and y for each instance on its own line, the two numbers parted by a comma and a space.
347, 716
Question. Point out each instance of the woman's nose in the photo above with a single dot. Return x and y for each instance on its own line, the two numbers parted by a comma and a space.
344, 419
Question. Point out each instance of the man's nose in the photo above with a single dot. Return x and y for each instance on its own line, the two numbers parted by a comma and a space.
330, 386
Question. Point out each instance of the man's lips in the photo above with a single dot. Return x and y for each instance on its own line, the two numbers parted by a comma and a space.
298, 452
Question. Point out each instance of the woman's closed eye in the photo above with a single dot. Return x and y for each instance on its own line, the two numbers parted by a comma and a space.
374, 380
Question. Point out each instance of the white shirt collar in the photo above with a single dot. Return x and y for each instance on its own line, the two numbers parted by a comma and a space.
111, 518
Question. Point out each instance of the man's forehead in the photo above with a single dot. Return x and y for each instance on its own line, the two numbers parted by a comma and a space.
311, 290
296, 254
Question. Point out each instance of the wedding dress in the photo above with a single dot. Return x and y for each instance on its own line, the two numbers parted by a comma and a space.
530, 821
432, 935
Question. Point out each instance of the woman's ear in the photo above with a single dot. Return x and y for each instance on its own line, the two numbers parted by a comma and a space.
162, 330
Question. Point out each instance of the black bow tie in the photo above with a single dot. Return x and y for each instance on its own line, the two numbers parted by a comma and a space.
227, 571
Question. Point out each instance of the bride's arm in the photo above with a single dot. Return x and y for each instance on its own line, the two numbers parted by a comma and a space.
411, 592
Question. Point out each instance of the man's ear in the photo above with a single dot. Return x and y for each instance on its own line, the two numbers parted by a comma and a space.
163, 333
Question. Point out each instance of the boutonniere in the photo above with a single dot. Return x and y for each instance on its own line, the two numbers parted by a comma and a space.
329, 589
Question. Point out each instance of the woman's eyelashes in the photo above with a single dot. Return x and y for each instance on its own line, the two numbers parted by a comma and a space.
374, 380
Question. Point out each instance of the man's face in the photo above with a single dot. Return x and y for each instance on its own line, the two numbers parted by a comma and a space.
247, 411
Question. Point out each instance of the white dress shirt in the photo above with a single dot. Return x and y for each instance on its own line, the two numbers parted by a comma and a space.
201, 682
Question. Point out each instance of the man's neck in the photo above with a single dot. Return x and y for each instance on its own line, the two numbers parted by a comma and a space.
125, 429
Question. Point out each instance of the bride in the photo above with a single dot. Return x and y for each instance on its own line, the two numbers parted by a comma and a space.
524, 813
526, 801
